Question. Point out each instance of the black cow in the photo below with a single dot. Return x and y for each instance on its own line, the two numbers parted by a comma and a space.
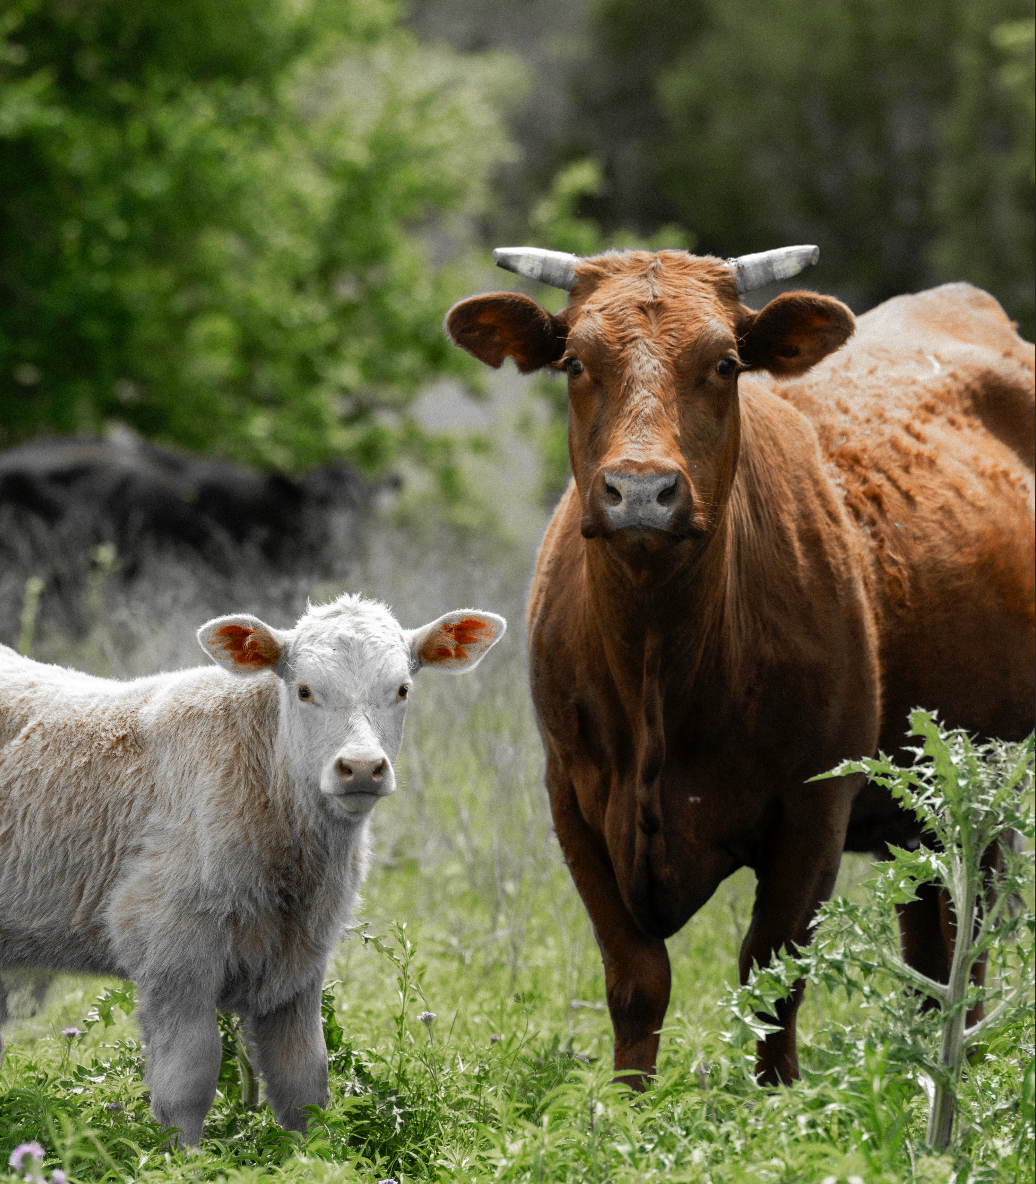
60, 498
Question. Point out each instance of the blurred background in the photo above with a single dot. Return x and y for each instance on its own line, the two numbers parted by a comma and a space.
233, 229
229, 233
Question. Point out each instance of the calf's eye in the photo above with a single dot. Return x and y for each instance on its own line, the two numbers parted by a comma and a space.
304, 691
403, 691
574, 366
726, 366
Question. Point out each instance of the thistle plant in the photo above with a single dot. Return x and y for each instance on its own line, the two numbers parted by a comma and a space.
968, 796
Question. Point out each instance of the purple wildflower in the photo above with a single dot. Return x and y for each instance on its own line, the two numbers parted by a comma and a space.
59, 1176
70, 1033
22, 1150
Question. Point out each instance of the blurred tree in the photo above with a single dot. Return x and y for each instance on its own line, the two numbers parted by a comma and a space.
891, 134
234, 225
552, 39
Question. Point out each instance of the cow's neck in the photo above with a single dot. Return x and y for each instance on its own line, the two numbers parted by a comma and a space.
661, 641
659, 634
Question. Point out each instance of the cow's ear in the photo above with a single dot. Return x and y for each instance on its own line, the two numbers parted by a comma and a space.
507, 325
457, 641
242, 644
793, 332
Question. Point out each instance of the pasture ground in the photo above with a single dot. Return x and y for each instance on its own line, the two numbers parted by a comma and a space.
510, 1081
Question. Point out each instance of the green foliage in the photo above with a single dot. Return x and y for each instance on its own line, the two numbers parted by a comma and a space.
219, 223
967, 796
1017, 41
897, 137
120, 996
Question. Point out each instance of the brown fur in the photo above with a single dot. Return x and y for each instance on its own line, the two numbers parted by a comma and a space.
846, 546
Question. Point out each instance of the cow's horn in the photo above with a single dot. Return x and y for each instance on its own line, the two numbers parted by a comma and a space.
755, 271
549, 267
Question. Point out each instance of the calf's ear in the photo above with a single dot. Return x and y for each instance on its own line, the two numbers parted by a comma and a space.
507, 325
242, 644
793, 332
457, 641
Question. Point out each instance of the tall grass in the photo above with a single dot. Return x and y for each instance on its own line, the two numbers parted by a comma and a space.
469, 916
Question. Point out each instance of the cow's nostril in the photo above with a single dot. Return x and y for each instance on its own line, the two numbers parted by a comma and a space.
343, 769
380, 769
667, 496
611, 495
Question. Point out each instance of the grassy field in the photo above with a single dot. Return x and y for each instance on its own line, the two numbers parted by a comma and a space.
469, 914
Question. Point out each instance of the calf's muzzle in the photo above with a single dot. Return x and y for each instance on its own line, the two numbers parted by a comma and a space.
357, 784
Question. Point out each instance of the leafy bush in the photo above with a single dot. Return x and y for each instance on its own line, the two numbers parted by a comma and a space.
220, 222
968, 796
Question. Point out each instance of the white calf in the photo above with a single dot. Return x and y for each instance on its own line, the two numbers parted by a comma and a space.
205, 833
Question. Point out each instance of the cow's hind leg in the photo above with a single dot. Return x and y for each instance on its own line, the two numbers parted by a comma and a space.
795, 874
287, 1047
928, 929
923, 936
183, 1059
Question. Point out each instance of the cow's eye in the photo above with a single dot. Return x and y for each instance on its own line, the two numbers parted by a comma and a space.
726, 366
304, 691
574, 366
403, 691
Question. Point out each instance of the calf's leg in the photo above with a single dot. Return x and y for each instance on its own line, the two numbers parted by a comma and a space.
287, 1047
183, 1058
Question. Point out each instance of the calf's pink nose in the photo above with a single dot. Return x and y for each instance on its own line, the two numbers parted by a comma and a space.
361, 776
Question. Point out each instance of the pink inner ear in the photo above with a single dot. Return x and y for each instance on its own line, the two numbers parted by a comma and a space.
245, 647
453, 639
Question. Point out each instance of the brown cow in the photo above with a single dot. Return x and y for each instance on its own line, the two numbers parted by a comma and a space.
749, 581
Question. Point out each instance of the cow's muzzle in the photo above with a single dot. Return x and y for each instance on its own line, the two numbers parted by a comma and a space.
357, 785
623, 499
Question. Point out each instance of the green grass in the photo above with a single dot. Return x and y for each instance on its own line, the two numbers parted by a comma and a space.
512, 1079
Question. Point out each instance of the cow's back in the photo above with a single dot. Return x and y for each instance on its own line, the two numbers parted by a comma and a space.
927, 420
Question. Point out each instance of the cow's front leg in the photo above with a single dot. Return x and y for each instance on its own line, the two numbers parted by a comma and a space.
287, 1047
637, 979
795, 873
183, 1057
636, 967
